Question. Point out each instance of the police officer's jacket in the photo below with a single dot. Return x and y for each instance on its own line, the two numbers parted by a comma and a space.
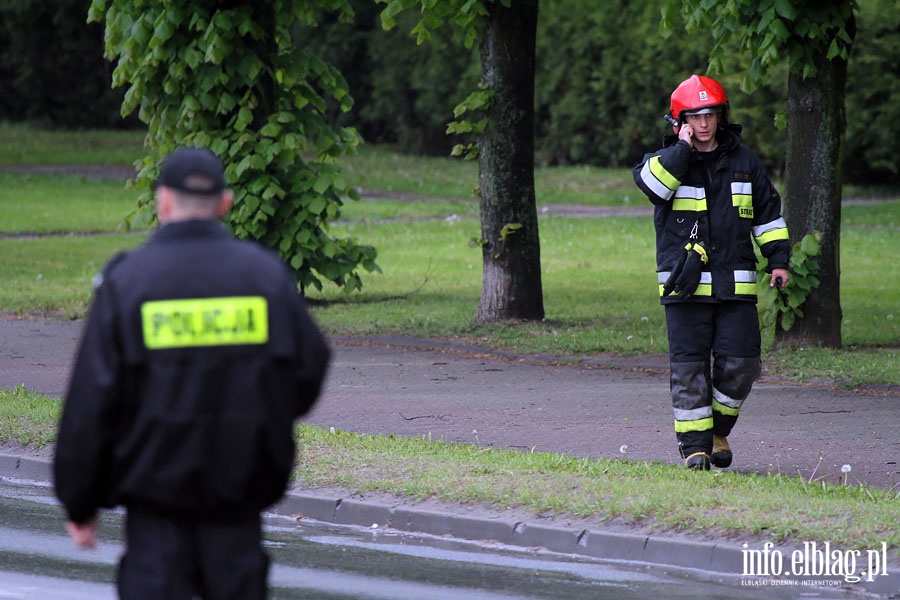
730, 198
197, 356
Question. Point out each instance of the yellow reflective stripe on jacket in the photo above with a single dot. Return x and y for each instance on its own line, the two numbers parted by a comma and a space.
745, 283
742, 198
703, 289
774, 230
660, 181
689, 198
194, 322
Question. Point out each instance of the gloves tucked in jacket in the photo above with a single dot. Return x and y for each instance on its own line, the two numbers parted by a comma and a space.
685, 275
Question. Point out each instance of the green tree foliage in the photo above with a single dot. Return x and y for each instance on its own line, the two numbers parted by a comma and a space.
603, 74
873, 90
603, 80
402, 95
791, 30
232, 77
52, 69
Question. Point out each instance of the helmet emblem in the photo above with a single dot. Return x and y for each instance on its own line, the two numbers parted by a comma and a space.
703, 95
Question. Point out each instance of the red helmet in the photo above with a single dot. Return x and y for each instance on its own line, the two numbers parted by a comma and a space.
697, 92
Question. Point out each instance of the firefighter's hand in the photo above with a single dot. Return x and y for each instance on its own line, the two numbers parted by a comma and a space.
83, 534
686, 133
779, 274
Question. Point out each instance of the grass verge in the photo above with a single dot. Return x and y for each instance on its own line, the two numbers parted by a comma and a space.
641, 494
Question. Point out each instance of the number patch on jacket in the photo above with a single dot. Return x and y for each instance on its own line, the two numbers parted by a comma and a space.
197, 322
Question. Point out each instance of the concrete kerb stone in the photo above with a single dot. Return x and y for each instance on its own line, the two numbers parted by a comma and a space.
556, 539
318, 507
18, 467
710, 560
613, 546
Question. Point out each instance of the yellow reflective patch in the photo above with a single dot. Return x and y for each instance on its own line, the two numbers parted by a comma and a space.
193, 322
770, 236
745, 289
698, 425
744, 205
693, 204
725, 410
661, 174
704, 289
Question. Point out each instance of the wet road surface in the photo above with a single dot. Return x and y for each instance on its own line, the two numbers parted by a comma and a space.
326, 562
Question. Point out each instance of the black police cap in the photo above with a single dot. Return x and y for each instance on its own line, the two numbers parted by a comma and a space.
193, 170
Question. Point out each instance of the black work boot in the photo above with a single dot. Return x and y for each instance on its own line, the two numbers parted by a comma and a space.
721, 452
698, 461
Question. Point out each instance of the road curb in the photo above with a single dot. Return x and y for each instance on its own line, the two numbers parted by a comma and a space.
711, 561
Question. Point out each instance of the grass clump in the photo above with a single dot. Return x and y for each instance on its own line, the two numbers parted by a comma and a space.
644, 494
27, 418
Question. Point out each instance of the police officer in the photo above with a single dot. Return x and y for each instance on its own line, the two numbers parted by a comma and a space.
197, 356
713, 199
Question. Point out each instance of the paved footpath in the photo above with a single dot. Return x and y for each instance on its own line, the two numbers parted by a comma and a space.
599, 407
416, 387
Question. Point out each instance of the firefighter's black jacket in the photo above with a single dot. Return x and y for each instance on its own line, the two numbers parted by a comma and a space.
728, 194
197, 356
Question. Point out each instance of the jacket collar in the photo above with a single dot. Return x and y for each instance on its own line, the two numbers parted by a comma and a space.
192, 230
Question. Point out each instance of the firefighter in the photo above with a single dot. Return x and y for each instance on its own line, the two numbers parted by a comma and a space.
712, 201
197, 356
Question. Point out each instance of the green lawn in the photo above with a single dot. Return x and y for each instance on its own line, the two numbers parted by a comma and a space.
598, 273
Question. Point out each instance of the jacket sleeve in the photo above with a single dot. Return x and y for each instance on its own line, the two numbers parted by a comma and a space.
659, 174
769, 228
81, 466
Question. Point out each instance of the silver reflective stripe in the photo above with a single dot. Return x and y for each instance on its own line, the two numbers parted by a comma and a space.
663, 276
689, 198
726, 400
740, 188
694, 414
745, 276
776, 224
656, 186
691, 192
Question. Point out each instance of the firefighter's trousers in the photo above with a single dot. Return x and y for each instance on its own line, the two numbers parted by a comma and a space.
714, 354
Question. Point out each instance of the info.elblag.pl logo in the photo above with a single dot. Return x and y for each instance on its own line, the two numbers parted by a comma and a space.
815, 560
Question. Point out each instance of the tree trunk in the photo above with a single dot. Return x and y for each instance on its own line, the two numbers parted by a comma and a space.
511, 280
816, 124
